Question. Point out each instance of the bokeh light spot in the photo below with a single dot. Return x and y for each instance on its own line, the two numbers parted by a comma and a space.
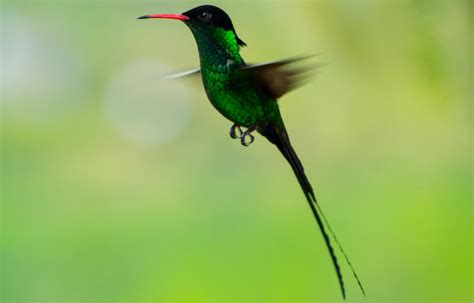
143, 107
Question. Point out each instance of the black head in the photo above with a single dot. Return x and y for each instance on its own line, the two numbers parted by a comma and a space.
209, 15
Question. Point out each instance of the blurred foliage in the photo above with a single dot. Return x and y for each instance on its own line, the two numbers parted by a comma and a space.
95, 210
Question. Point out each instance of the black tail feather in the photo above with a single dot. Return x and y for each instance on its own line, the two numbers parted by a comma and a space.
354, 273
279, 137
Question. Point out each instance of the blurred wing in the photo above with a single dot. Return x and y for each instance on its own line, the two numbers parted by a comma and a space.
274, 78
184, 74
279, 77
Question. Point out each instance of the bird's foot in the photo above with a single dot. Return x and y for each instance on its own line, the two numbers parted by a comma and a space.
247, 138
236, 131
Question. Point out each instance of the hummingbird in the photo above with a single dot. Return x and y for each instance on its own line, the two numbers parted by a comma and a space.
247, 94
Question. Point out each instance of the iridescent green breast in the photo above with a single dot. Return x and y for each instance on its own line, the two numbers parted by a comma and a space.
233, 96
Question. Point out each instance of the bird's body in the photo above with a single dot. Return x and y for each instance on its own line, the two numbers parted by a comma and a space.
247, 95
229, 89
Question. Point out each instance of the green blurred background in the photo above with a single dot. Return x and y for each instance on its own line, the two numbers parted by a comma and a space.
121, 187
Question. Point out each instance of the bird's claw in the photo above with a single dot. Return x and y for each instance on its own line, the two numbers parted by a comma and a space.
247, 138
234, 134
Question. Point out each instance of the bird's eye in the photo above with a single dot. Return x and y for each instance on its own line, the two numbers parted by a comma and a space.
205, 16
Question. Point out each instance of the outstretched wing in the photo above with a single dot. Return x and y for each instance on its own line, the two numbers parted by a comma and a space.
279, 77
275, 78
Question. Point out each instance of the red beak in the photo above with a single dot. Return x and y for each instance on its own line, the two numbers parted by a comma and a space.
165, 16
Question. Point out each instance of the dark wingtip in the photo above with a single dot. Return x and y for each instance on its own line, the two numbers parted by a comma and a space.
143, 17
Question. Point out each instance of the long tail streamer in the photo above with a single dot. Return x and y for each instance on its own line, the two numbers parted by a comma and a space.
279, 137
